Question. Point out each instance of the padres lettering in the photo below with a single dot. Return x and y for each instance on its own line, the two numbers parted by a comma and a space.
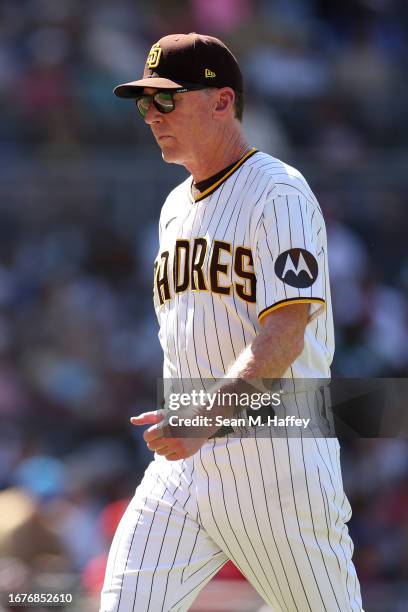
190, 263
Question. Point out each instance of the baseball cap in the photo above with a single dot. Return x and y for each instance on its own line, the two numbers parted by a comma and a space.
186, 60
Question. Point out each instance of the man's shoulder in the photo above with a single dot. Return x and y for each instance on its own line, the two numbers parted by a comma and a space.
282, 185
283, 178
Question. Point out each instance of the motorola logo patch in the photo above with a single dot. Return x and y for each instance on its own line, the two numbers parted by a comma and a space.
297, 268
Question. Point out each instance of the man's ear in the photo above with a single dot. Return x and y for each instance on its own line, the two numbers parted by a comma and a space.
225, 99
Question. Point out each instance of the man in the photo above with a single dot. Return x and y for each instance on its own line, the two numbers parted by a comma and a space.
241, 292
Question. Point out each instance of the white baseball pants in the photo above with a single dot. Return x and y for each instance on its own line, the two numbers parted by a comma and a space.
275, 506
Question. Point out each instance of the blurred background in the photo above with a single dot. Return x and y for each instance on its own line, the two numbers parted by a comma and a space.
81, 186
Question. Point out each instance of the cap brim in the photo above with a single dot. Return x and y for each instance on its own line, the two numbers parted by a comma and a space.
131, 90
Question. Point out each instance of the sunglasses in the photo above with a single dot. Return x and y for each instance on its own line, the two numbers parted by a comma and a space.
163, 100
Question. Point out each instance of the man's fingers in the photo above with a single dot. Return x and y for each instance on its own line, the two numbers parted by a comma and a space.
173, 457
148, 418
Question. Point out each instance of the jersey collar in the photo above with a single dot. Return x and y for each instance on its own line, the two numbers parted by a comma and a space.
223, 178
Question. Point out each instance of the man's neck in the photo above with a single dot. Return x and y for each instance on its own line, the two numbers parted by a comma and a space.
222, 155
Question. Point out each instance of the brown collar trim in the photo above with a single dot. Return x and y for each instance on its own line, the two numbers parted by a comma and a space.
220, 181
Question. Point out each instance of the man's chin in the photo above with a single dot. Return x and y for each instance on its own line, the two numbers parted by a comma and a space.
170, 157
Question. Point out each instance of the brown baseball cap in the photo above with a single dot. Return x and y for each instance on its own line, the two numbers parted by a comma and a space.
186, 60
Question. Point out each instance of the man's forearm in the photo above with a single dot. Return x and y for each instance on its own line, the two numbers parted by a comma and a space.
270, 354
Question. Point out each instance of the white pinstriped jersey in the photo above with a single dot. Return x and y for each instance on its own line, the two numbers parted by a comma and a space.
253, 242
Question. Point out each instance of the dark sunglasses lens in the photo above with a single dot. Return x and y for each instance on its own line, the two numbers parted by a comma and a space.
143, 104
164, 101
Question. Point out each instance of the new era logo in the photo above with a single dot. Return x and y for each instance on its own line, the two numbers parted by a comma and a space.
209, 74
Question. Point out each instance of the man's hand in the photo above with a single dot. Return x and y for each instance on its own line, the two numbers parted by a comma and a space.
160, 437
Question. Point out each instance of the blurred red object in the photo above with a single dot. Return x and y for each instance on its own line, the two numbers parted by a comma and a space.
111, 515
229, 572
94, 572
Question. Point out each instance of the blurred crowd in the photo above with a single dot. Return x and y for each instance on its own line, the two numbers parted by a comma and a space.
81, 185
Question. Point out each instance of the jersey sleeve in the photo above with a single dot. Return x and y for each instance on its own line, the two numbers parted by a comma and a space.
290, 255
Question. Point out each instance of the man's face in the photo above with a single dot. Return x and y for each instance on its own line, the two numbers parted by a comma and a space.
186, 132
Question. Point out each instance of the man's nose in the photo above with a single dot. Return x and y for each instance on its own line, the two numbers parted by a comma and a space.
152, 115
